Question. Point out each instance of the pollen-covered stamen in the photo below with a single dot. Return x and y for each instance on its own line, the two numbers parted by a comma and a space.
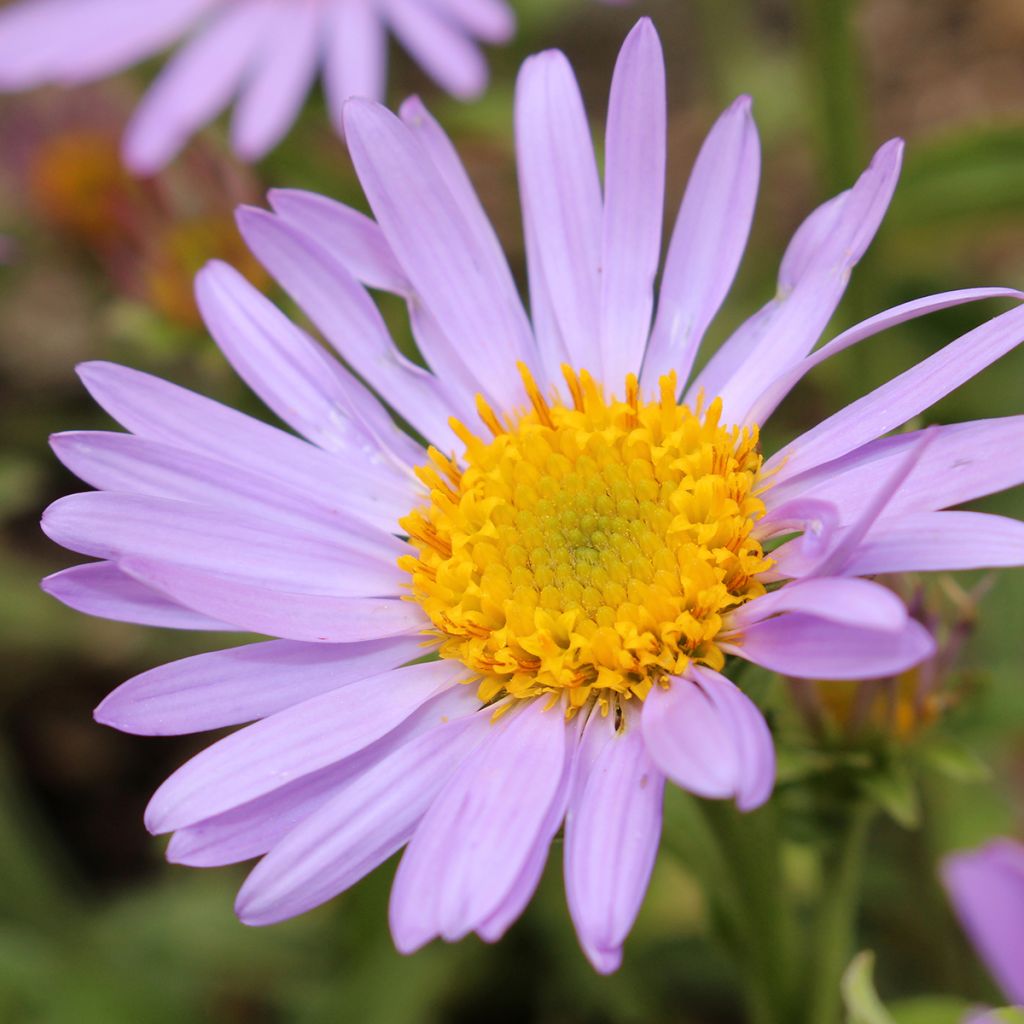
588, 549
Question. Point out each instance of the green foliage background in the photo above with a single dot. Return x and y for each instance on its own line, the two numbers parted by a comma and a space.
95, 928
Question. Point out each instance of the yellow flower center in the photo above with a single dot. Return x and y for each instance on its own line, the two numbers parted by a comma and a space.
588, 551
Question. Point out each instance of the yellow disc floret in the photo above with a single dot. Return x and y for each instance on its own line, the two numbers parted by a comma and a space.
588, 550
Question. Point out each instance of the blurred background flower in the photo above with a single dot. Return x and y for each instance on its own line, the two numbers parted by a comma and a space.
94, 926
265, 53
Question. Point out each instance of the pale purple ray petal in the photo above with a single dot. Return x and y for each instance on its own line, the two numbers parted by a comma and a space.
843, 542
964, 461
352, 237
708, 738
561, 198
801, 645
197, 83
133, 465
472, 844
688, 739
243, 547
634, 198
767, 401
707, 244
986, 887
519, 894
280, 80
242, 684
256, 827
445, 158
814, 519
901, 398
301, 739
364, 824
812, 279
457, 271
445, 53
297, 379
356, 55
754, 744
313, 618
339, 306
850, 601
492, 21
72, 41
612, 830
160, 411
938, 541
807, 308
101, 589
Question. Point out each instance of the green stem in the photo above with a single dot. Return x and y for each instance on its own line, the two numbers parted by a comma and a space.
833, 64
751, 845
834, 928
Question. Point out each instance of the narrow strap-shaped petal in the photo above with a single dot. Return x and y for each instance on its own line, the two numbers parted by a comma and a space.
113, 526
634, 200
243, 684
111, 461
361, 826
253, 828
561, 199
938, 541
453, 266
355, 54
352, 237
986, 887
446, 54
612, 830
812, 278
280, 79
301, 739
103, 590
473, 842
279, 612
902, 397
160, 411
809, 647
197, 83
850, 601
74, 41
767, 401
964, 461
296, 378
707, 242
338, 305
755, 747
703, 736
492, 21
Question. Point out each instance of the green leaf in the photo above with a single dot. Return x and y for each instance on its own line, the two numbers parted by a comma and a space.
1007, 1015
929, 1010
859, 996
893, 788
952, 759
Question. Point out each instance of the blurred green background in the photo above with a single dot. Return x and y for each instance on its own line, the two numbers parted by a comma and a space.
94, 926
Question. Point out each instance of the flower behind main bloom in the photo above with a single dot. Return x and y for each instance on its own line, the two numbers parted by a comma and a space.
265, 51
986, 887
582, 549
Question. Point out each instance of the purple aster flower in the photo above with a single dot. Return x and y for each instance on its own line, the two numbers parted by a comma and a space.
264, 52
986, 886
582, 549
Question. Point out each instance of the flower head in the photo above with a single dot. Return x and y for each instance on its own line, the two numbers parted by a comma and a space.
581, 548
265, 52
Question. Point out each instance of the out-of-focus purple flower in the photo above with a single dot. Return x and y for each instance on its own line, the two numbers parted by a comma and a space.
986, 887
579, 547
262, 53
